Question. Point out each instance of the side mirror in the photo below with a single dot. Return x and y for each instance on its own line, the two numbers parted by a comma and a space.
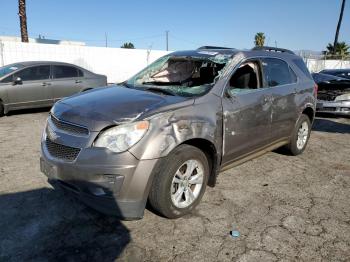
17, 81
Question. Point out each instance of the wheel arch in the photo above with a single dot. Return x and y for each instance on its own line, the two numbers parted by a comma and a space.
210, 151
2, 111
310, 113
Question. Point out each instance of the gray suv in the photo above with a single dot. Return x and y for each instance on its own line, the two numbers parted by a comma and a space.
166, 133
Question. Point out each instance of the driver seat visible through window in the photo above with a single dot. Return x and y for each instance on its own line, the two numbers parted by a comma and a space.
246, 77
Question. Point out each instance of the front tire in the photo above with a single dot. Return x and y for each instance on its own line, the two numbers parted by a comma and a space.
1, 109
300, 136
180, 182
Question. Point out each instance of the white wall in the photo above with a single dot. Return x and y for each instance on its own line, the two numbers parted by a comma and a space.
316, 65
117, 63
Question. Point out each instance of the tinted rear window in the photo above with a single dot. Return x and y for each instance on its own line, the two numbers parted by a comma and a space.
65, 71
276, 72
301, 65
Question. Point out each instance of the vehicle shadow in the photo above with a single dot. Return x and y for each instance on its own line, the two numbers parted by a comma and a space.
29, 111
330, 126
47, 225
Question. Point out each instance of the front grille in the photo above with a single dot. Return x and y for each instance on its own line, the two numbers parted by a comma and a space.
69, 128
60, 151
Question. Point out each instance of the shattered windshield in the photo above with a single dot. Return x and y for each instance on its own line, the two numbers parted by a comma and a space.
182, 75
4, 70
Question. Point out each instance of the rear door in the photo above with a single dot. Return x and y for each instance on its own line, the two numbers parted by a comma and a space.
247, 111
66, 81
283, 83
34, 89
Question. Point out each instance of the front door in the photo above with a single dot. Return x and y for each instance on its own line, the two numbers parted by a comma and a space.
31, 87
247, 108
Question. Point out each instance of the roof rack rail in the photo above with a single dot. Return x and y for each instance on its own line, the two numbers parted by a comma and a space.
212, 47
274, 49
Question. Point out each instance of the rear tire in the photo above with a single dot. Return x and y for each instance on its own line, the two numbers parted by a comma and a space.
180, 182
300, 136
1, 109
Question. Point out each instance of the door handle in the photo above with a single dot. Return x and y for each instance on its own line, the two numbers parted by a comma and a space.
78, 81
46, 84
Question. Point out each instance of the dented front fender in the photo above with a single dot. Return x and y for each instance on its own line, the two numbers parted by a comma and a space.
202, 119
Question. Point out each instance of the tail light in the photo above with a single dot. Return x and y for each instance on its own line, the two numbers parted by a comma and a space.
315, 90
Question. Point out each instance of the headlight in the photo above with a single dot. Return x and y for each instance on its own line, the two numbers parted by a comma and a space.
343, 97
121, 138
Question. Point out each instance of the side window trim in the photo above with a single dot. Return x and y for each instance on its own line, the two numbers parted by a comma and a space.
260, 58
295, 74
80, 73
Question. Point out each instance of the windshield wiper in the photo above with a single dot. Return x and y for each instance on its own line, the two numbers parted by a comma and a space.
159, 83
161, 90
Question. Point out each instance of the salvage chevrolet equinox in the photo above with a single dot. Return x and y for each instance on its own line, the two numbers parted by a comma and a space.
165, 134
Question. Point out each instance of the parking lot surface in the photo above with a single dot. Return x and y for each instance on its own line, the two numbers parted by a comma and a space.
285, 208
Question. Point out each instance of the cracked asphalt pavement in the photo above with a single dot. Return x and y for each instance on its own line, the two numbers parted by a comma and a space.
285, 208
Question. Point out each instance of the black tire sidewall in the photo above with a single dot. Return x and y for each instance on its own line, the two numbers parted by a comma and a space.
163, 180
293, 145
1, 109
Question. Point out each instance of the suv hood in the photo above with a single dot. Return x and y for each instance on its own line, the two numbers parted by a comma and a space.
102, 107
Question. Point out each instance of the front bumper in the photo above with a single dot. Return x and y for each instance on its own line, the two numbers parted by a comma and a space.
333, 107
114, 184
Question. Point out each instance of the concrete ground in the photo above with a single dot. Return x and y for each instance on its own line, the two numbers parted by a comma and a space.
285, 208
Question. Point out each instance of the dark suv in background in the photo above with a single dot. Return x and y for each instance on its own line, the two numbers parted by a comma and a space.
166, 133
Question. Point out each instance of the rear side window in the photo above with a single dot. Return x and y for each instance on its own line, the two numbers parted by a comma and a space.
277, 72
80, 73
65, 71
34, 73
294, 75
301, 65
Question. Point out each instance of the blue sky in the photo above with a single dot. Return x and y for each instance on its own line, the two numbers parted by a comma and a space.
294, 24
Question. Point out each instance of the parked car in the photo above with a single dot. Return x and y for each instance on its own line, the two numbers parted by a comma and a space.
41, 84
333, 94
344, 73
166, 133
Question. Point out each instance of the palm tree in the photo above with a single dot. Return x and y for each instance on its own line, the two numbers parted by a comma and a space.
259, 39
128, 45
23, 20
341, 49
339, 24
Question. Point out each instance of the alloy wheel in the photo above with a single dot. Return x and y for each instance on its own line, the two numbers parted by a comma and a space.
187, 183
